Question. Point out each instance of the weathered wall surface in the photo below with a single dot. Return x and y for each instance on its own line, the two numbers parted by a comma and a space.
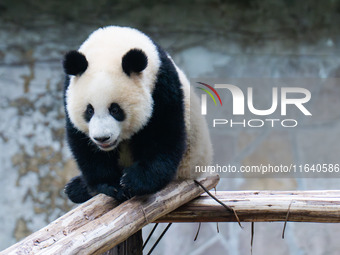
206, 38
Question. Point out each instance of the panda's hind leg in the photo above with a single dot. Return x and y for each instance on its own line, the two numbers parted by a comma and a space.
77, 190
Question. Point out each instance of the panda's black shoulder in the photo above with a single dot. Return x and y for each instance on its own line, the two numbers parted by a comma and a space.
166, 124
168, 84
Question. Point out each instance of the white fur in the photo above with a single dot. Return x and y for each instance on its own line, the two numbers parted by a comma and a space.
199, 149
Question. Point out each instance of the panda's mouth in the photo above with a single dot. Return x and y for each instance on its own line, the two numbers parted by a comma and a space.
107, 146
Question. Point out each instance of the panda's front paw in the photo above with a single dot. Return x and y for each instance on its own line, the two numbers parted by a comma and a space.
136, 181
112, 191
132, 184
77, 190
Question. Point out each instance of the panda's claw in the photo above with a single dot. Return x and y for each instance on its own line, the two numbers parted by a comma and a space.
112, 191
121, 182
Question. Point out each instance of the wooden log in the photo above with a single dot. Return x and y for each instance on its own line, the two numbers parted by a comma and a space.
99, 234
251, 206
61, 227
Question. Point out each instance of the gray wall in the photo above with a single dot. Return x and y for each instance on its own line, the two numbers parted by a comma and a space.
219, 39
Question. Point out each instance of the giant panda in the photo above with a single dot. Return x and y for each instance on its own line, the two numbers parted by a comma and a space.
128, 120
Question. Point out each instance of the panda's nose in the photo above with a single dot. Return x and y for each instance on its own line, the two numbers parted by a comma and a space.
102, 139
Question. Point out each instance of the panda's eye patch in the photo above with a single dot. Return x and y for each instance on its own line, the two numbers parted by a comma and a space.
88, 112
116, 112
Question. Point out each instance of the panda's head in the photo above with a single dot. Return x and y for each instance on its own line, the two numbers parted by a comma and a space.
112, 76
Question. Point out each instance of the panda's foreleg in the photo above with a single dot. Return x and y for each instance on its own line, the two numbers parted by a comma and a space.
99, 169
149, 176
158, 149
77, 190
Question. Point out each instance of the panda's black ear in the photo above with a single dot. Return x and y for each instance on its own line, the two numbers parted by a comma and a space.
134, 61
74, 63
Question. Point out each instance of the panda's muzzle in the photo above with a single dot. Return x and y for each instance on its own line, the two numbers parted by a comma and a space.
104, 131
102, 139
104, 143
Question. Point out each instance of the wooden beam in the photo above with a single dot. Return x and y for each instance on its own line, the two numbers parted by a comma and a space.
305, 206
94, 227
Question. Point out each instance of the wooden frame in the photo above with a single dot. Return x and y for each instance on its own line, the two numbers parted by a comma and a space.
100, 224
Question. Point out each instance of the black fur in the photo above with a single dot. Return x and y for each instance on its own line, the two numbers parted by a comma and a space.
75, 63
88, 113
134, 61
117, 112
157, 149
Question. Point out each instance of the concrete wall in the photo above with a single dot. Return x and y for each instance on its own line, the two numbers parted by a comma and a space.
218, 39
